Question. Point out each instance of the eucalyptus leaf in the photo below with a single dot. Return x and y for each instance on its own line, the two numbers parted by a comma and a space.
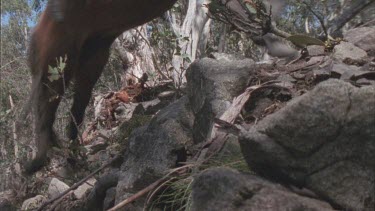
304, 40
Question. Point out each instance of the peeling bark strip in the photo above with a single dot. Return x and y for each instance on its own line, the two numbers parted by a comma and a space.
218, 136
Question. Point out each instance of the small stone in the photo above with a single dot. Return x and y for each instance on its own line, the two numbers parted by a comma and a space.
56, 187
364, 81
321, 75
33, 203
344, 72
298, 75
363, 37
346, 50
315, 50
84, 188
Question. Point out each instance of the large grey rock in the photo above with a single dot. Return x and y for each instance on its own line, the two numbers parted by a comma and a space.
363, 37
346, 50
153, 149
324, 140
224, 189
212, 85
33, 203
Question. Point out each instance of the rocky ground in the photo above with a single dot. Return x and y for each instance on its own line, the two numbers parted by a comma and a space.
303, 139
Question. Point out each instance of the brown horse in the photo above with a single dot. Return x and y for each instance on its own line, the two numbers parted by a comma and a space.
83, 31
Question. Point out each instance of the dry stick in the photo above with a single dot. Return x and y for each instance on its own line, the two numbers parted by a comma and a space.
54, 205
151, 195
76, 185
148, 188
139, 194
368, 23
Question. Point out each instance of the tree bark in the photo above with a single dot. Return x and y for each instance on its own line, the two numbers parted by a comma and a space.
195, 27
136, 61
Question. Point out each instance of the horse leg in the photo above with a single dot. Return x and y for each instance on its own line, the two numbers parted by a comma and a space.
94, 56
47, 95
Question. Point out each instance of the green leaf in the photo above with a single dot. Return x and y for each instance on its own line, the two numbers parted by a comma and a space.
53, 78
302, 41
53, 70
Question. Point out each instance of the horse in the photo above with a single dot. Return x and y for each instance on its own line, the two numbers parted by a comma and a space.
81, 31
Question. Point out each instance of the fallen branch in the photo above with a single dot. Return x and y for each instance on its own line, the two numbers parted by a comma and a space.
54, 205
76, 185
148, 188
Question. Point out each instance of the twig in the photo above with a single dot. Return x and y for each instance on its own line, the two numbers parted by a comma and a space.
151, 195
148, 188
139, 194
54, 205
76, 185
14, 60
144, 38
368, 23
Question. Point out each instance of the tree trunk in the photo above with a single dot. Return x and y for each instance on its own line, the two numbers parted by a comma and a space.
222, 40
195, 27
136, 55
